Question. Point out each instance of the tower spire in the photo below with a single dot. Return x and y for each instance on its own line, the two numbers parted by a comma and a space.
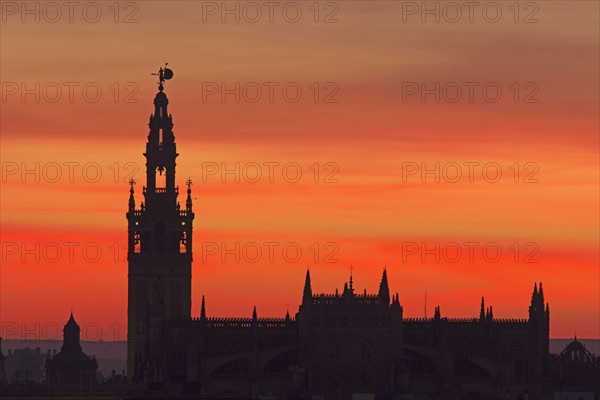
384, 289
541, 298
307, 295
203, 310
534, 305
71, 335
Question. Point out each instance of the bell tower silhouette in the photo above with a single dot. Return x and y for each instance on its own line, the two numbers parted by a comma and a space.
159, 249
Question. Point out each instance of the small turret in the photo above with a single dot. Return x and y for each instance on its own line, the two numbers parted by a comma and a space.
489, 314
541, 298
482, 310
71, 335
536, 308
533, 306
188, 201
131, 199
396, 309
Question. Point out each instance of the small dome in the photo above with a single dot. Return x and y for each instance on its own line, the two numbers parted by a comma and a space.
161, 99
576, 352
575, 345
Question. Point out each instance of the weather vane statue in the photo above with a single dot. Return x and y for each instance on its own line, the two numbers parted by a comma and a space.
164, 74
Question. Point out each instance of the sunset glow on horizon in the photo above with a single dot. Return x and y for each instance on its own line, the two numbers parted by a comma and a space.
407, 160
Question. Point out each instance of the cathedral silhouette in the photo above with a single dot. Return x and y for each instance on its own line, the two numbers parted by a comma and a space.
336, 345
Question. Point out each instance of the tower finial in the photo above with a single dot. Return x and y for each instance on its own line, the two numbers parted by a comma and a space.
188, 201
132, 182
163, 75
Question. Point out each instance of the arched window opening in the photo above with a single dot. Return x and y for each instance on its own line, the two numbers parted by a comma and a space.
137, 246
161, 177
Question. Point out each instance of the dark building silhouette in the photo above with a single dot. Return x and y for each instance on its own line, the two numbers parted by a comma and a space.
159, 251
336, 344
25, 366
575, 371
71, 371
2, 370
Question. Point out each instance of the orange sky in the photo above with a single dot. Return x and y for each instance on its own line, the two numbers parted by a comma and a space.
370, 135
